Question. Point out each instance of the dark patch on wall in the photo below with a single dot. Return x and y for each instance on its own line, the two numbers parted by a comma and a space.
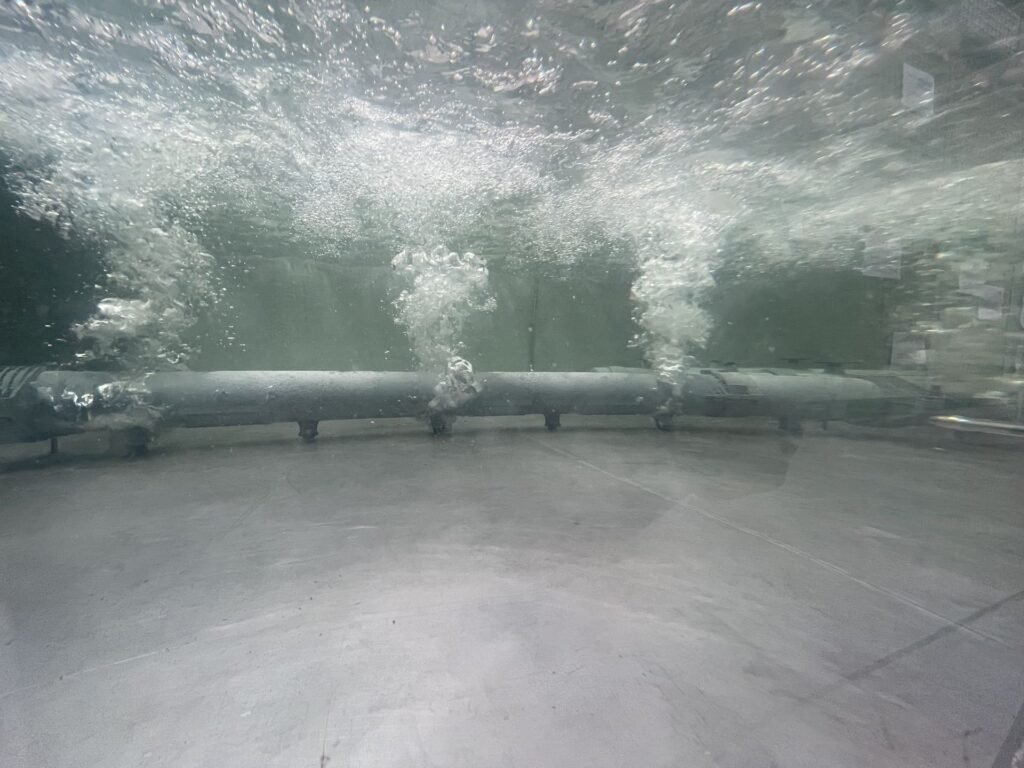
47, 283
773, 316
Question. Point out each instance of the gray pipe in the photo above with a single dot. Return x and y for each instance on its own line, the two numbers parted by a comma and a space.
37, 404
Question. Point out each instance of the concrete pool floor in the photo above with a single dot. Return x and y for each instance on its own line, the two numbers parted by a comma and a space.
605, 595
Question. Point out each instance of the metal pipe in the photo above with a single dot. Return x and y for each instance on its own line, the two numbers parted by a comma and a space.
37, 404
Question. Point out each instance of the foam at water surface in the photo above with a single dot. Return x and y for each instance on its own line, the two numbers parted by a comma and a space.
651, 131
